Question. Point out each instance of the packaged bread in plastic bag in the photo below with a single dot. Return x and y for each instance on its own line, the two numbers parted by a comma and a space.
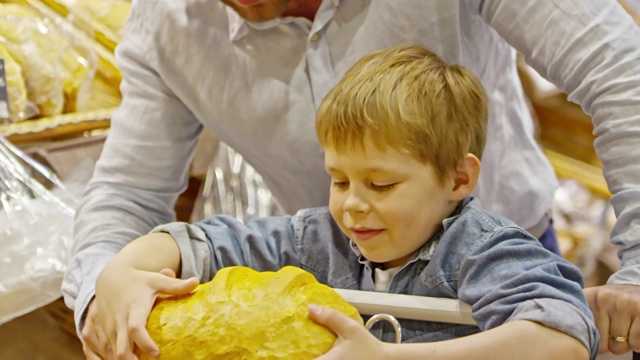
57, 68
110, 13
15, 105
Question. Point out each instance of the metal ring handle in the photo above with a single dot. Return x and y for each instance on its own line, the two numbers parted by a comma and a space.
391, 320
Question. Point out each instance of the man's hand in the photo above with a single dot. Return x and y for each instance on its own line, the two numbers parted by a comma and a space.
94, 343
616, 309
353, 342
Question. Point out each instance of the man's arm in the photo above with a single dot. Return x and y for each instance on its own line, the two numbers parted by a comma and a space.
590, 50
143, 167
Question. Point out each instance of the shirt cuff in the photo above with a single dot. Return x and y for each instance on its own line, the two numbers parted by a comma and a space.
195, 258
80, 313
561, 316
628, 275
85, 296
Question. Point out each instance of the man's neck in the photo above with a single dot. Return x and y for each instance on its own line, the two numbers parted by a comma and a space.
303, 8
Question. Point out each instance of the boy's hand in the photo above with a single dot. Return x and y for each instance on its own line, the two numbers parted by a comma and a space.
124, 299
353, 342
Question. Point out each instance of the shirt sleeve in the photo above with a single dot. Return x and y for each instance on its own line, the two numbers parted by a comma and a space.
590, 50
142, 169
264, 244
507, 276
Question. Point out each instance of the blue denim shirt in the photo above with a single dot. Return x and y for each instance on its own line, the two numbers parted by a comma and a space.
478, 257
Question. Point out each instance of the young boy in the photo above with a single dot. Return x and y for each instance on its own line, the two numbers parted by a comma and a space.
402, 133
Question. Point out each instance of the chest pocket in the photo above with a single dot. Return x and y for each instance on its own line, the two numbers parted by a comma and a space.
433, 282
440, 284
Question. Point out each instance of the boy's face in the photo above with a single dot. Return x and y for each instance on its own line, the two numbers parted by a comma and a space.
389, 203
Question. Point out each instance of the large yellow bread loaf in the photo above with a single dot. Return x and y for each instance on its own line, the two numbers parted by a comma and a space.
245, 314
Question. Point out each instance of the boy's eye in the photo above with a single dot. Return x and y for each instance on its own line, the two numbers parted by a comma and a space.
382, 187
339, 184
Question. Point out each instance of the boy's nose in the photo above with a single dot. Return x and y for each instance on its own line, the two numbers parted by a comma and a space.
355, 202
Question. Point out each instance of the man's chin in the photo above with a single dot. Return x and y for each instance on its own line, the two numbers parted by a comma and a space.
247, 2
258, 10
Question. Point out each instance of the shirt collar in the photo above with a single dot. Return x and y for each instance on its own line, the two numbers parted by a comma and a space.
430, 246
355, 249
446, 223
238, 27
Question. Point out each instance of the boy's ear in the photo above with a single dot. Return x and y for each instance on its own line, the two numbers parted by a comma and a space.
466, 177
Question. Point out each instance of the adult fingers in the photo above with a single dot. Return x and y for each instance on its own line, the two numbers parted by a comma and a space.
95, 346
634, 335
616, 309
619, 307
94, 341
619, 332
601, 317
89, 354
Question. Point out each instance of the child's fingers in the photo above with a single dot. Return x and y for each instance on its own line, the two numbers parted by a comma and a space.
334, 320
168, 272
139, 335
124, 346
167, 285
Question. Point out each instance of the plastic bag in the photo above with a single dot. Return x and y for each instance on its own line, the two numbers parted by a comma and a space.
233, 187
35, 233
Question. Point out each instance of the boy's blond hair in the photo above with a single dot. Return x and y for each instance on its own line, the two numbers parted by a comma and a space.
407, 98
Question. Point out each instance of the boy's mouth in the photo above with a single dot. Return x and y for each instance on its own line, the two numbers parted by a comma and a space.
362, 234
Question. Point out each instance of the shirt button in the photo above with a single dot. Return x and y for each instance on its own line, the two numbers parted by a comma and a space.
315, 37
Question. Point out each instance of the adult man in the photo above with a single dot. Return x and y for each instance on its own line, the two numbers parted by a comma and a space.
256, 82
